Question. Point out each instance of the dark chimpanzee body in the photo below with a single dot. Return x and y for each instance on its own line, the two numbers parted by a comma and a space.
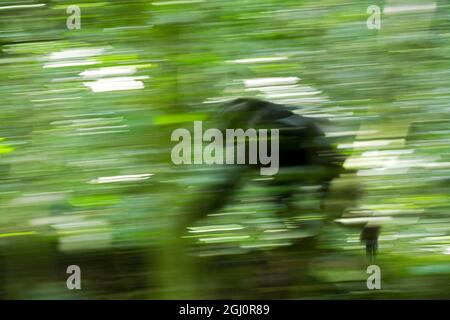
302, 147
306, 157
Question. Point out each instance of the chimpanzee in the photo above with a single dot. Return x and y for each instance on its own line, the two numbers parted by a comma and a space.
306, 157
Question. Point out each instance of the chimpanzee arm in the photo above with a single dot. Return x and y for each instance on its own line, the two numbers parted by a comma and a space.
235, 114
214, 197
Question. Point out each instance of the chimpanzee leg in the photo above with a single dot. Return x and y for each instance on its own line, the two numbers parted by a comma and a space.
369, 236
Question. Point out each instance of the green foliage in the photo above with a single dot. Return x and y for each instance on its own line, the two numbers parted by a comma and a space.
59, 136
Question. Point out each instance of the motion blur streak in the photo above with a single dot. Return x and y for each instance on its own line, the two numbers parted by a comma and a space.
86, 177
